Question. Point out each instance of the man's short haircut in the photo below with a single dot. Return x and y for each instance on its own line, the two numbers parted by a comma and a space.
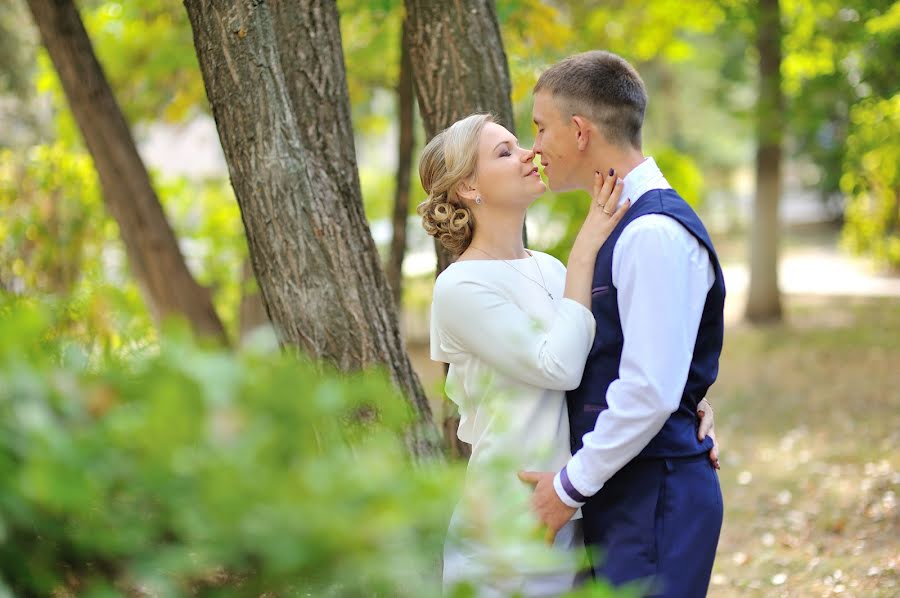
603, 88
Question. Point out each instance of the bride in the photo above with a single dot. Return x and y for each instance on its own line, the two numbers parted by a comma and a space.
515, 327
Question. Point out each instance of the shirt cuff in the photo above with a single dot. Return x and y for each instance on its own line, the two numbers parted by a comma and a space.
581, 477
566, 491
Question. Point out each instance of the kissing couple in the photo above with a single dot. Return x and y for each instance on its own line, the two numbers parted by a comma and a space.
586, 381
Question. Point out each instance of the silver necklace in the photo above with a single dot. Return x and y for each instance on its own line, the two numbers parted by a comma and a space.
542, 284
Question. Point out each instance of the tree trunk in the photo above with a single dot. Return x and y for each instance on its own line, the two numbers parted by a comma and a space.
150, 244
459, 67
458, 61
274, 75
764, 297
405, 143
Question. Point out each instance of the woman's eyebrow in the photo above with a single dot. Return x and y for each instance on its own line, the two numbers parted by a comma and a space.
514, 141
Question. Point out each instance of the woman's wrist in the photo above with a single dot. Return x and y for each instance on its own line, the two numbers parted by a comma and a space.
583, 253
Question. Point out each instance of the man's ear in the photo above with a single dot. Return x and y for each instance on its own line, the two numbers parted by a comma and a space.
584, 131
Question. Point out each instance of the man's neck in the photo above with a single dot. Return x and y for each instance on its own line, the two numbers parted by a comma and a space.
622, 161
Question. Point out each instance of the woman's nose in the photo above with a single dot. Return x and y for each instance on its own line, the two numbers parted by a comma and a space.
528, 155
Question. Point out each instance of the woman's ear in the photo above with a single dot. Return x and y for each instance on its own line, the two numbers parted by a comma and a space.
467, 191
584, 129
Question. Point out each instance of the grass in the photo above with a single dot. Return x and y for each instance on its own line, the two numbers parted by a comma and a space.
808, 416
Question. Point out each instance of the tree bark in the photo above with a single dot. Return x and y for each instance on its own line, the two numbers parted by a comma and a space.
405, 143
460, 67
764, 296
274, 76
458, 62
153, 253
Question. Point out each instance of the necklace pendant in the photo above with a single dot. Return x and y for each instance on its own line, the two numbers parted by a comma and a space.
549, 294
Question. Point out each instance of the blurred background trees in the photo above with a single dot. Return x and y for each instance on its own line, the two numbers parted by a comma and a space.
150, 245
699, 62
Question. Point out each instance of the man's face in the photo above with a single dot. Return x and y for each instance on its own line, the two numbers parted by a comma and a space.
556, 142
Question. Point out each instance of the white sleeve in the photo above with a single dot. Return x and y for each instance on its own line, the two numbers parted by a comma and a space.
472, 317
663, 276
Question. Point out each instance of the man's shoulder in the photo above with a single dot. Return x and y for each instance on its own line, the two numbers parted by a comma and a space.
654, 224
658, 234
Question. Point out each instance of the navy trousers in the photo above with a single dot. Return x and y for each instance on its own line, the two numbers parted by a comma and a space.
657, 522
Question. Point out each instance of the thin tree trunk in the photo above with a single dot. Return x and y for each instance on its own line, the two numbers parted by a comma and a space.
459, 67
153, 253
274, 75
764, 297
406, 108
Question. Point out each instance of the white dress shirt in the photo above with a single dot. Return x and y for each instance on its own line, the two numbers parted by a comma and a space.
662, 274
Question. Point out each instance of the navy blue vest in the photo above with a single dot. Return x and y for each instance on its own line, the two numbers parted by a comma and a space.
678, 437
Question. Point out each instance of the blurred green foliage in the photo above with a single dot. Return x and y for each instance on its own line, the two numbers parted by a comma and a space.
837, 53
56, 238
871, 153
872, 181
181, 470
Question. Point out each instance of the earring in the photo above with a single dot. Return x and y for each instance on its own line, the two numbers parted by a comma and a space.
478, 199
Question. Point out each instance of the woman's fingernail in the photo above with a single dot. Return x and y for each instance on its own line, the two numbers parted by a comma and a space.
611, 172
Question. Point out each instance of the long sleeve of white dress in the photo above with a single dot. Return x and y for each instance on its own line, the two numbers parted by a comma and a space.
477, 317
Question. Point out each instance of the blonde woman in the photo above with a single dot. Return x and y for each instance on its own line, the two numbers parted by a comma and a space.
515, 327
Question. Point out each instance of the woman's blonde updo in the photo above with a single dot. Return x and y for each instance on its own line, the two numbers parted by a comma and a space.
448, 160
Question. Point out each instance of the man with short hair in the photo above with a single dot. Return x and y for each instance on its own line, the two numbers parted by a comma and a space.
648, 491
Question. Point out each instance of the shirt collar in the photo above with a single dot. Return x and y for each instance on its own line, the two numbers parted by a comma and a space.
644, 177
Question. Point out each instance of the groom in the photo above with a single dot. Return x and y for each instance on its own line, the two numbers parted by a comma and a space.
649, 494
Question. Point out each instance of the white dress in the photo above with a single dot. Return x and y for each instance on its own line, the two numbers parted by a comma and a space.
512, 353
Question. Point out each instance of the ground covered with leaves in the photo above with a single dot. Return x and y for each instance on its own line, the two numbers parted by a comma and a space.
808, 414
